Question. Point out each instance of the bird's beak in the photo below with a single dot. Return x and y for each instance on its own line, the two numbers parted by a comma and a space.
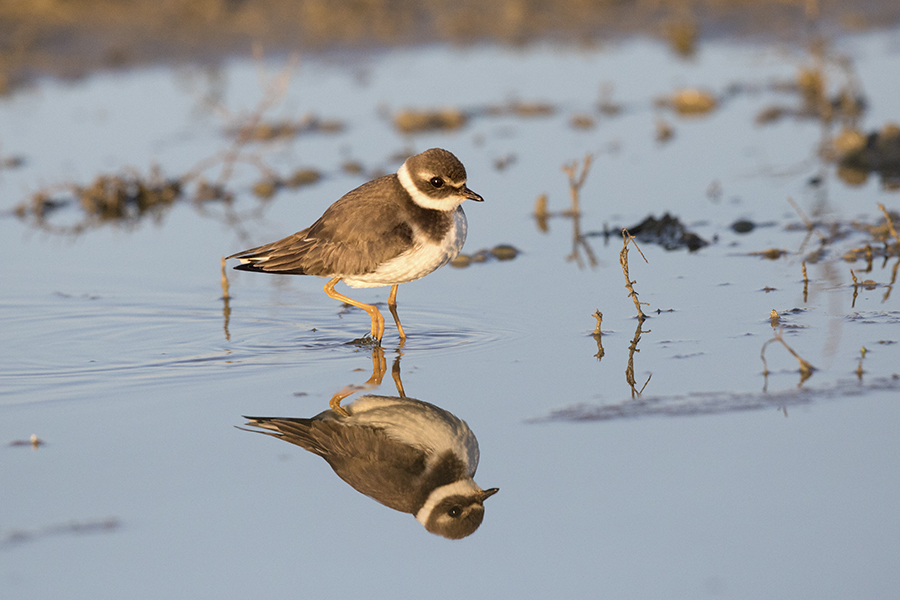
485, 494
470, 195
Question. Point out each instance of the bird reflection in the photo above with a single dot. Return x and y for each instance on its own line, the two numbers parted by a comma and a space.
407, 454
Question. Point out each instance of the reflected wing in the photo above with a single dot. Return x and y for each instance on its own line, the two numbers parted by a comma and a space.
364, 457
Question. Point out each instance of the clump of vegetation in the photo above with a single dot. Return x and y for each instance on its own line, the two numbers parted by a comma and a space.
416, 121
123, 198
519, 108
811, 87
858, 154
667, 231
270, 184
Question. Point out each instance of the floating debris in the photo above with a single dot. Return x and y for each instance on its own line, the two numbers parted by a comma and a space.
34, 441
501, 252
270, 185
582, 121
268, 131
461, 261
266, 188
19, 536
11, 162
668, 232
690, 101
771, 253
518, 108
867, 284
352, 167
664, 131
302, 177
529, 109
414, 121
771, 114
502, 162
206, 192
504, 252
743, 226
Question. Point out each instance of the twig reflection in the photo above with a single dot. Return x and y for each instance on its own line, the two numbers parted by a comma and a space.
541, 215
629, 370
576, 181
806, 369
226, 300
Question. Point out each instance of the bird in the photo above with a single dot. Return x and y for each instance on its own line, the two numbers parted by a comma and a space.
407, 454
391, 230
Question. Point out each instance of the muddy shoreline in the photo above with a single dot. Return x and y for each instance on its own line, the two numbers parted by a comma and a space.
72, 38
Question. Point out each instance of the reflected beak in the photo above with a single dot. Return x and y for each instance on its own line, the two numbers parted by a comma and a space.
485, 494
470, 195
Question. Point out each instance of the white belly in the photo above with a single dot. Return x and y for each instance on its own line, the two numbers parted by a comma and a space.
418, 424
424, 257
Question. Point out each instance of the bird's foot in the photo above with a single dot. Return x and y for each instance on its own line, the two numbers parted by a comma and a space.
367, 341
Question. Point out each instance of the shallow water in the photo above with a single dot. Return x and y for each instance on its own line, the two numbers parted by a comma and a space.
121, 355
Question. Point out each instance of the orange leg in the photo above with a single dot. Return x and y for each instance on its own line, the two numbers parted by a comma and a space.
374, 313
392, 305
395, 373
379, 366
335, 402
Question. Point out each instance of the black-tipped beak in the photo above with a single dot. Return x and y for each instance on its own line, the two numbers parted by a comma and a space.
470, 195
485, 494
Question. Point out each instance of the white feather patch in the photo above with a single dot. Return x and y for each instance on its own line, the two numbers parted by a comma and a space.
421, 259
422, 199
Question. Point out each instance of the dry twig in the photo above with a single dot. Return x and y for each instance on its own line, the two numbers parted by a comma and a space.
629, 284
576, 180
629, 370
598, 335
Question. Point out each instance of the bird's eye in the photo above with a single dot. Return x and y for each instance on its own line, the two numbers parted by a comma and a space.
454, 512
437, 182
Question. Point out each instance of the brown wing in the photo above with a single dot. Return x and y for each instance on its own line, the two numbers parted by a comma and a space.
363, 229
366, 458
